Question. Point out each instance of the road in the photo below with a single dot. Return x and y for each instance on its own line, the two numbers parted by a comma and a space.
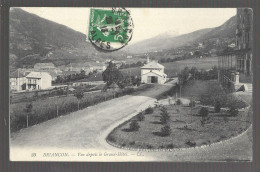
84, 132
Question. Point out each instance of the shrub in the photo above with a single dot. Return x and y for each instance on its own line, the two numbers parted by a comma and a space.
140, 116
132, 143
233, 111
191, 143
192, 103
166, 130
170, 146
203, 112
149, 110
178, 102
111, 138
149, 146
164, 115
217, 107
134, 126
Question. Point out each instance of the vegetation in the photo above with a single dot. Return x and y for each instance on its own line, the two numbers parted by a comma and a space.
134, 126
204, 115
112, 74
140, 116
73, 77
79, 94
164, 118
166, 130
181, 131
217, 107
149, 110
45, 109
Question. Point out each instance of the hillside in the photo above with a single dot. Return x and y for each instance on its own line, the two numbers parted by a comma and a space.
34, 39
225, 32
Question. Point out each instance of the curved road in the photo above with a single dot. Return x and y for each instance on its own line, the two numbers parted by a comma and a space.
82, 135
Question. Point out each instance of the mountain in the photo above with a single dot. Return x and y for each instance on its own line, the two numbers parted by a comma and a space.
225, 32
34, 39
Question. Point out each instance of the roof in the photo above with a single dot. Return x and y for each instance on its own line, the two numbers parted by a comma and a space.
17, 74
44, 64
153, 65
38, 75
163, 74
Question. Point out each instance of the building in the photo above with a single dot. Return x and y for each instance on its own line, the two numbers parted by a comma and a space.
244, 40
235, 64
17, 80
38, 81
44, 66
153, 72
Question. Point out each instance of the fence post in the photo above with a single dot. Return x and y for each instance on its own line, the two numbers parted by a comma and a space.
27, 121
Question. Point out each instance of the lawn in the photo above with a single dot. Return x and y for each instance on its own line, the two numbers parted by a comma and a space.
172, 68
185, 123
186, 129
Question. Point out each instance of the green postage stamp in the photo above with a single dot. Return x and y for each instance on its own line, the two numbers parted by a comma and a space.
110, 29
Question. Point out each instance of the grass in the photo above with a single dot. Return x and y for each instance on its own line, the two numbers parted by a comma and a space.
186, 129
45, 109
172, 68
195, 88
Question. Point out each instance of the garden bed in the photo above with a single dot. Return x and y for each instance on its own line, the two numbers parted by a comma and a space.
186, 129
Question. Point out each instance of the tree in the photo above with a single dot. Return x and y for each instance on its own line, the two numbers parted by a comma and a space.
79, 94
28, 111
112, 74
194, 72
82, 74
134, 126
217, 107
164, 115
204, 114
166, 130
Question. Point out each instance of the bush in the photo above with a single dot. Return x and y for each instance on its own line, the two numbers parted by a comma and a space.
204, 112
140, 116
149, 110
191, 143
166, 130
149, 146
164, 115
233, 111
111, 138
134, 126
179, 102
192, 103
170, 146
217, 107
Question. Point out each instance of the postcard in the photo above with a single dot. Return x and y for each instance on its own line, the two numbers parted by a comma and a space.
130, 84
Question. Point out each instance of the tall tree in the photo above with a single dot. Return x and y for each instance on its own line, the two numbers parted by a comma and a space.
28, 111
79, 93
112, 74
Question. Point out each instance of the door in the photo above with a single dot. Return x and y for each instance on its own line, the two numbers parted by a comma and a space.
154, 79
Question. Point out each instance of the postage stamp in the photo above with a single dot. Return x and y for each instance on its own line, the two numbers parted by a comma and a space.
110, 29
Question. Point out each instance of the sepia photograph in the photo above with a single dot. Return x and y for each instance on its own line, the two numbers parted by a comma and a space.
130, 84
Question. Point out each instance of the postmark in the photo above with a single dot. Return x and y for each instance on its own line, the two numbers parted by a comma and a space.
110, 29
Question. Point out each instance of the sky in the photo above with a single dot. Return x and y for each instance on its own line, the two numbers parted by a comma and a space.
148, 22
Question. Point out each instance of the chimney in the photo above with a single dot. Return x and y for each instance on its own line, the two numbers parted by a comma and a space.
148, 59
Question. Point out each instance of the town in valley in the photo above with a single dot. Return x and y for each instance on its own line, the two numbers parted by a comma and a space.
187, 93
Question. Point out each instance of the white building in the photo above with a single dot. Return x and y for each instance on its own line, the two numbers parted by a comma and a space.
153, 72
38, 80
17, 81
